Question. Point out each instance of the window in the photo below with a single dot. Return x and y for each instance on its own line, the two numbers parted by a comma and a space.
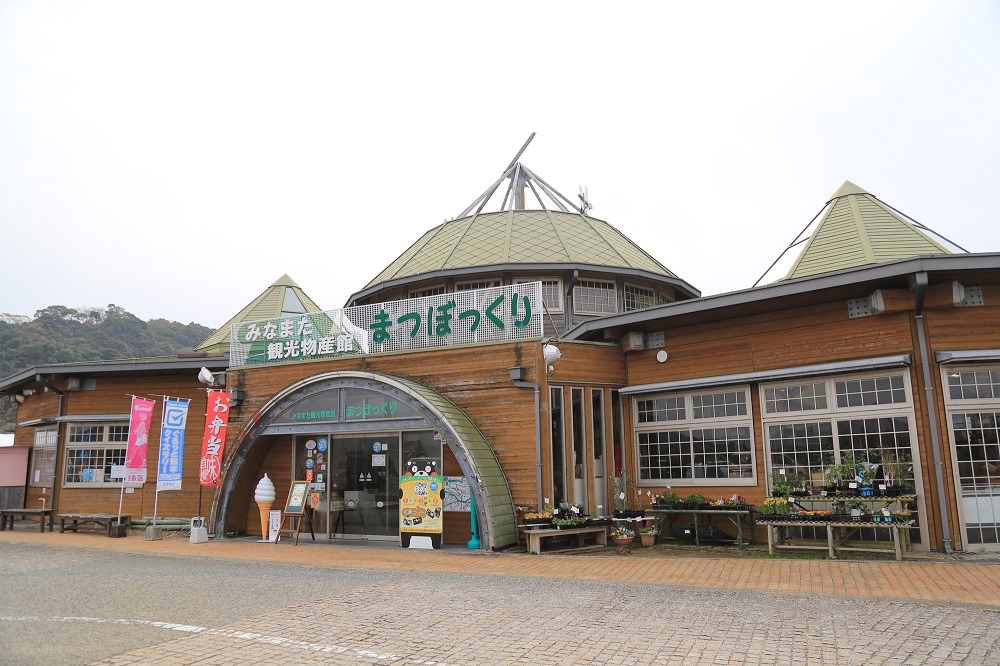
91, 450
973, 404
551, 292
482, 284
870, 418
43, 458
806, 433
709, 440
638, 298
427, 291
594, 297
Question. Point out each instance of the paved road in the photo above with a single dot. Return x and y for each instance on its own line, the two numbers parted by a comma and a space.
82, 605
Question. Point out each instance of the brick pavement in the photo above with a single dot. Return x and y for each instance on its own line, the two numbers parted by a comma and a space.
977, 583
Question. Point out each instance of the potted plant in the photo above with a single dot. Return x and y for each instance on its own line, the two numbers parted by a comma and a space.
541, 518
694, 501
858, 510
647, 535
773, 508
782, 488
666, 500
569, 523
622, 536
626, 497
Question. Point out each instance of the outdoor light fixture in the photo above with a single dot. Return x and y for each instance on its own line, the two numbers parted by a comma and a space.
205, 376
19, 398
517, 373
551, 354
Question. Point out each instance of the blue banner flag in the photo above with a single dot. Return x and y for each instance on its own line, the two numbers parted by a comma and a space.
168, 476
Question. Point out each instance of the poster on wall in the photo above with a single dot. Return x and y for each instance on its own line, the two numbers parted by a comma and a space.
421, 502
457, 496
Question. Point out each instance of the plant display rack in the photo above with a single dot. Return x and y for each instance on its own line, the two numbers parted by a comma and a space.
839, 530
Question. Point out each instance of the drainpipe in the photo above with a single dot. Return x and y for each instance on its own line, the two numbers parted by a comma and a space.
538, 434
568, 301
59, 412
920, 289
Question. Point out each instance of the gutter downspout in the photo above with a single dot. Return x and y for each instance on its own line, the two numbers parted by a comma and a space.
920, 289
538, 435
59, 426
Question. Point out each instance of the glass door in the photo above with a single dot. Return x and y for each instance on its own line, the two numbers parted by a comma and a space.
364, 486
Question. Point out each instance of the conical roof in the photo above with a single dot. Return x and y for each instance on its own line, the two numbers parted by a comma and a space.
857, 229
511, 237
283, 298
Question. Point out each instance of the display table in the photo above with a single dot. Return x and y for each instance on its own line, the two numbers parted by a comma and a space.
739, 519
838, 534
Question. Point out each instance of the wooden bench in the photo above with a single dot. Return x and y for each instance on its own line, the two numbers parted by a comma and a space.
109, 519
6, 514
535, 537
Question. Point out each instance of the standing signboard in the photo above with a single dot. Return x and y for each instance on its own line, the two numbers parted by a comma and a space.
297, 506
421, 504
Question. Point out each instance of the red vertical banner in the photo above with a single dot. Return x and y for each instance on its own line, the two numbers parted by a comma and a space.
138, 439
216, 422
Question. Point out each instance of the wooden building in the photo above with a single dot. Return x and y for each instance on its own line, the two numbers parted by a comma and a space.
879, 339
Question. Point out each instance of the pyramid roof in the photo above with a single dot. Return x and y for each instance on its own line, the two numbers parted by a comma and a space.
857, 229
282, 299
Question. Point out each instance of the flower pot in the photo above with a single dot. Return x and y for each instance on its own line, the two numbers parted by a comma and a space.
647, 539
624, 542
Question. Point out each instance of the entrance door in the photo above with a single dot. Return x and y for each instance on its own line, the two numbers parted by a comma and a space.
364, 472
977, 449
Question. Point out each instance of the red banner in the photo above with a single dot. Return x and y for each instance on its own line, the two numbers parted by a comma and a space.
138, 439
216, 422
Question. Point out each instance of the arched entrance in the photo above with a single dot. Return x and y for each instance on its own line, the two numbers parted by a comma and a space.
356, 410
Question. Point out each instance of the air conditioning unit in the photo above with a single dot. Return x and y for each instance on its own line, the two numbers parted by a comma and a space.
634, 341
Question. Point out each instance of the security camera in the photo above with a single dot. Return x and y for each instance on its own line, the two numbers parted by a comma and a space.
205, 376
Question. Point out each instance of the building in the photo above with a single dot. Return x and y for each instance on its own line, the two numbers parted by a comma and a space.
530, 357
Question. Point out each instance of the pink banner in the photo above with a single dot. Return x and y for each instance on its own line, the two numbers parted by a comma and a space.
138, 439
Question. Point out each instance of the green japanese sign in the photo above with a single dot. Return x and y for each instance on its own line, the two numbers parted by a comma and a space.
465, 317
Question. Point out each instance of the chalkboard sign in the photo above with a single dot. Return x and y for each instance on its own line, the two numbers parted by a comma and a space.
298, 499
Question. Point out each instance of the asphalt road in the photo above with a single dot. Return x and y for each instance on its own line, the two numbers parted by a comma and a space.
81, 606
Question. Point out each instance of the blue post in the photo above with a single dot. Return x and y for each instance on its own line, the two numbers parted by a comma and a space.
473, 526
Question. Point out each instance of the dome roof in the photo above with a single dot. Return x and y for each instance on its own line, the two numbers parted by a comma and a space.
520, 240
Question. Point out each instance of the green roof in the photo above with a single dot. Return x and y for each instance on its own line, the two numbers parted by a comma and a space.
520, 237
857, 229
282, 299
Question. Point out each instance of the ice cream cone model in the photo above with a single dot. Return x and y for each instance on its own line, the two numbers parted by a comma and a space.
264, 496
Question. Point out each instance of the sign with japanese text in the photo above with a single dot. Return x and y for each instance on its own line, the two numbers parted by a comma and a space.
512, 312
168, 474
138, 439
216, 422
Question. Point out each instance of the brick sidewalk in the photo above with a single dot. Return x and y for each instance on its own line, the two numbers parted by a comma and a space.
932, 581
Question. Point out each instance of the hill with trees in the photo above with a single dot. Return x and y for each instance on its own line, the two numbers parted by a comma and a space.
59, 334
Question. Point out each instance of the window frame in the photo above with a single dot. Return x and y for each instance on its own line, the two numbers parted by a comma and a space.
689, 423
421, 293
472, 285
613, 288
51, 451
101, 450
650, 292
559, 290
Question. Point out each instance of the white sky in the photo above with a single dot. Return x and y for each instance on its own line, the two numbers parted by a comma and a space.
175, 158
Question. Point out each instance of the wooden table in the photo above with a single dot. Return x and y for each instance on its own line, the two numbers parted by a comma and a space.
535, 537
837, 534
738, 517
41, 513
109, 519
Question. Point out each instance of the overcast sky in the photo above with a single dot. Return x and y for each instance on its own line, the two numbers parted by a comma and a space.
176, 158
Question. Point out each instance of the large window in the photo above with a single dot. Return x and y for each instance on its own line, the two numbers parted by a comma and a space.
43, 458
91, 451
594, 297
700, 439
973, 402
481, 284
810, 425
